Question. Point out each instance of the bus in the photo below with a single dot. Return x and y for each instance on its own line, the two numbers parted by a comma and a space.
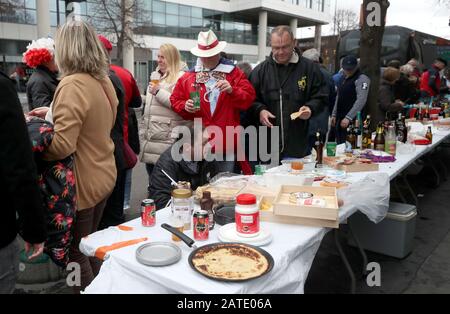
399, 43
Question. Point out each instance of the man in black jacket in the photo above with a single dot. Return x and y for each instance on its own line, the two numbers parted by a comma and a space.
197, 173
19, 192
321, 120
285, 84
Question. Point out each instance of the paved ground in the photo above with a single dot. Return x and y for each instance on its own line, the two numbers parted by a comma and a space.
426, 270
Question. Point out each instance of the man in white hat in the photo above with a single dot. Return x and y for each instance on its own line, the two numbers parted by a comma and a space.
224, 92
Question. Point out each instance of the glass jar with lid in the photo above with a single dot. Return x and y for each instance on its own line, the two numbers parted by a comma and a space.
182, 206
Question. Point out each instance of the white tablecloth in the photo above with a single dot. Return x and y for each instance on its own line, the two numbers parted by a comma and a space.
293, 249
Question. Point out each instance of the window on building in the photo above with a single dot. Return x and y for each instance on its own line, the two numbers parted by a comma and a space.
172, 8
159, 6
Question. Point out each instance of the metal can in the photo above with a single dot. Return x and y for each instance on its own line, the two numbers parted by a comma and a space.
201, 225
148, 213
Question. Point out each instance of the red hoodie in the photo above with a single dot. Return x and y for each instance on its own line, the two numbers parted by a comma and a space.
431, 82
229, 106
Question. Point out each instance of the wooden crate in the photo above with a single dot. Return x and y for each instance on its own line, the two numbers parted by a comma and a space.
269, 216
284, 212
283, 207
355, 167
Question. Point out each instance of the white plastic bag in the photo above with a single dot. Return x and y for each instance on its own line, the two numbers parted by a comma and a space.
371, 196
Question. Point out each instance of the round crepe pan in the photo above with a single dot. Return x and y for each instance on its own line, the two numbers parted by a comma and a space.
191, 243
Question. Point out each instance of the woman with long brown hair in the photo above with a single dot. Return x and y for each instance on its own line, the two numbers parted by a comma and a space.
84, 111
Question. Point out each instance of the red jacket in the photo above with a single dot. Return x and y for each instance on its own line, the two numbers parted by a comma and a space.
229, 106
431, 82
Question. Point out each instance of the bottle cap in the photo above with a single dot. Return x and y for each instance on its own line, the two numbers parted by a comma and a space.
246, 199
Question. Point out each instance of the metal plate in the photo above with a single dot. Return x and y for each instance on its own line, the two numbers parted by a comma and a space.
264, 253
158, 254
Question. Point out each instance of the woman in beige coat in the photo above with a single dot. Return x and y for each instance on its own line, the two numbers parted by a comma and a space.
160, 121
84, 111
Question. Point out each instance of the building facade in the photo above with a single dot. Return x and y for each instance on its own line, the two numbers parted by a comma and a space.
244, 24
327, 49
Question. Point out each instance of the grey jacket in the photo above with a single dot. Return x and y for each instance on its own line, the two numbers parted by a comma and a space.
362, 88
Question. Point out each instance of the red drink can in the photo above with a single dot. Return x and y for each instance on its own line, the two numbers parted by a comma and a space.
201, 226
148, 213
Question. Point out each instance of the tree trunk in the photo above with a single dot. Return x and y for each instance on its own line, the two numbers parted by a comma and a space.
371, 41
119, 60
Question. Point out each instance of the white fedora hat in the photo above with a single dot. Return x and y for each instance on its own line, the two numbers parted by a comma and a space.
208, 45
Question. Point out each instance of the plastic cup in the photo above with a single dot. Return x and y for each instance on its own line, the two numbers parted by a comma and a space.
178, 224
297, 166
195, 97
260, 170
331, 149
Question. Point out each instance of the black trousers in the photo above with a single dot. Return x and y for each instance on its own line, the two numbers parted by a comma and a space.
341, 134
113, 213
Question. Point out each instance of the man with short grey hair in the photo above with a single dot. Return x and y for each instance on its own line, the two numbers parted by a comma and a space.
289, 91
312, 54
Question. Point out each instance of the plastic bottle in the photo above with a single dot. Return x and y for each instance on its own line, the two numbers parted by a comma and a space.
391, 141
247, 216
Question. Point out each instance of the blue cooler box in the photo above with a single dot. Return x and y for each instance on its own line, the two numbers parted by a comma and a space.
394, 236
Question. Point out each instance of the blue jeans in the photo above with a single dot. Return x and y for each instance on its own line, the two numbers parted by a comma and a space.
9, 267
128, 180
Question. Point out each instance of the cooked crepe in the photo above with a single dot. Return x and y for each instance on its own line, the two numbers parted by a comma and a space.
236, 262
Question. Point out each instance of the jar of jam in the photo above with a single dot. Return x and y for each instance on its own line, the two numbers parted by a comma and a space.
247, 216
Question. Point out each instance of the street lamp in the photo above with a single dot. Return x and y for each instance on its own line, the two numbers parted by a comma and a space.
58, 20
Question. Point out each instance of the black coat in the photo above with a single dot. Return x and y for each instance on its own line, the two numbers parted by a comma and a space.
387, 100
304, 86
160, 186
41, 88
133, 131
320, 120
406, 91
117, 131
19, 191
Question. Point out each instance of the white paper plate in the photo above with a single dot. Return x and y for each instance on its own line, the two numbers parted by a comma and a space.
228, 234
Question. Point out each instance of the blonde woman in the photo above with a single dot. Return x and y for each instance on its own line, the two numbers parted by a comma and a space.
84, 112
160, 121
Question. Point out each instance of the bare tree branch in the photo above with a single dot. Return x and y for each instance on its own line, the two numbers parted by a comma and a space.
443, 2
345, 20
111, 18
